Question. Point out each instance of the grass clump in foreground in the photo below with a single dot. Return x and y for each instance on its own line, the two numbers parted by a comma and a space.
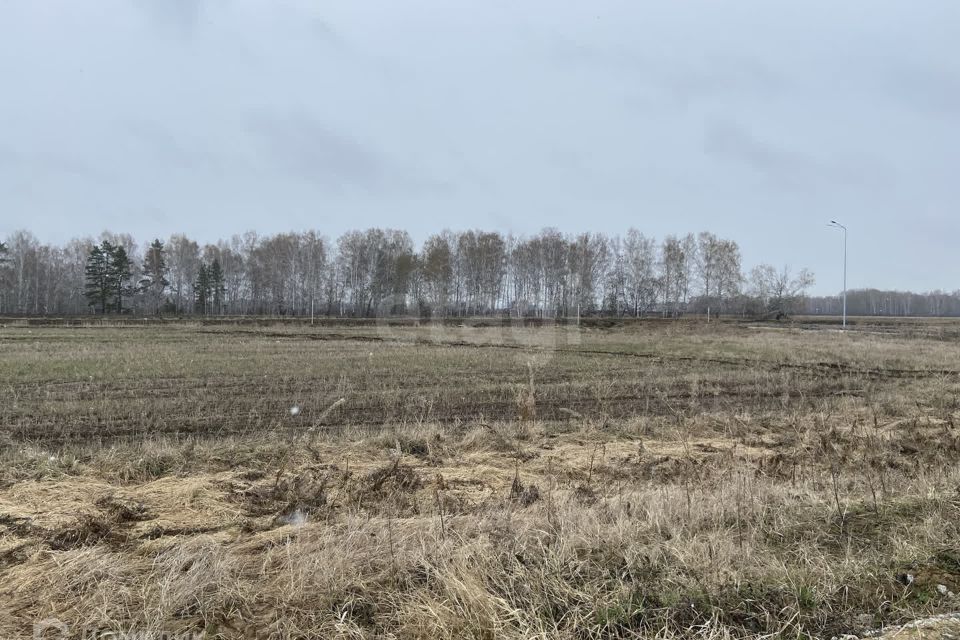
354, 539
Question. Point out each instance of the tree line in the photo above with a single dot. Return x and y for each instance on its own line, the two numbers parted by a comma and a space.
376, 271
877, 302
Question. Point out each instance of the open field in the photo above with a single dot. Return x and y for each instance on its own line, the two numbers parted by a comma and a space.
614, 481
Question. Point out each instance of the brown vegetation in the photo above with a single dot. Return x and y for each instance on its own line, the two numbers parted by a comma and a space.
650, 480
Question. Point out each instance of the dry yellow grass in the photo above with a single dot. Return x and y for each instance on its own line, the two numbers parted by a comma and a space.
765, 485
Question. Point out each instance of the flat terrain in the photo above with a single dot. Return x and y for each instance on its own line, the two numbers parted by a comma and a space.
642, 479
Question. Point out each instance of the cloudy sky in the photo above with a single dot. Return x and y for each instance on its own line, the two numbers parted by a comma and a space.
759, 120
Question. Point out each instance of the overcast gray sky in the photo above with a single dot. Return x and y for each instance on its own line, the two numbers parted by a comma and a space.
759, 120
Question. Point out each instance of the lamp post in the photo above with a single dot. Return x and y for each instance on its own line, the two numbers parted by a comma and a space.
834, 223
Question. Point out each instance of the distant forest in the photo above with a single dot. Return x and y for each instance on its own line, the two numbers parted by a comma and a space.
379, 272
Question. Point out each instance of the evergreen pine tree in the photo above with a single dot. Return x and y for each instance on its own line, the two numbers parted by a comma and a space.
217, 288
154, 282
97, 272
201, 289
119, 269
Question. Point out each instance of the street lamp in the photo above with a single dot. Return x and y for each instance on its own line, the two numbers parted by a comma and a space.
834, 223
